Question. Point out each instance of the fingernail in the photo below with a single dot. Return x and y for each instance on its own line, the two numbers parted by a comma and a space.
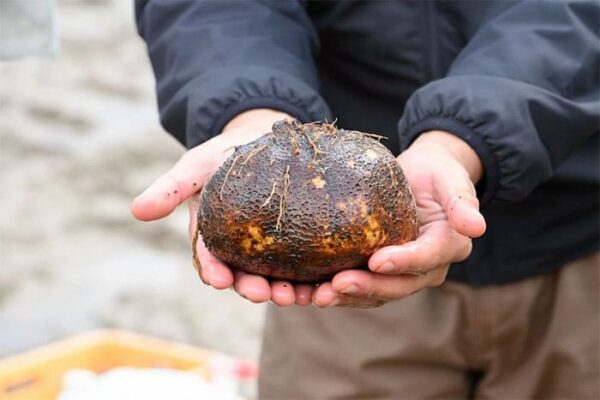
473, 202
351, 289
209, 269
474, 213
386, 267
334, 302
217, 281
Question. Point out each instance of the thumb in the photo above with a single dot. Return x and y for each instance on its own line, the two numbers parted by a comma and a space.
464, 216
457, 195
184, 179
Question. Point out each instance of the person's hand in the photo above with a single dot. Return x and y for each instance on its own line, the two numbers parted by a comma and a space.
443, 233
183, 183
441, 170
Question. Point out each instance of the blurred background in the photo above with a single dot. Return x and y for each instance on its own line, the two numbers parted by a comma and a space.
79, 138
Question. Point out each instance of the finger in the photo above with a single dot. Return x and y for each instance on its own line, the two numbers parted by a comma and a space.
464, 216
193, 204
185, 178
438, 244
325, 296
358, 283
282, 293
303, 294
457, 195
361, 302
213, 271
197, 264
252, 287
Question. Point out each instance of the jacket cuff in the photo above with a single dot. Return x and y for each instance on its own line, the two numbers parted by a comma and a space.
214, 98
487, 186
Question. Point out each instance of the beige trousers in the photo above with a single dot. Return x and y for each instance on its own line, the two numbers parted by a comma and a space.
534, 339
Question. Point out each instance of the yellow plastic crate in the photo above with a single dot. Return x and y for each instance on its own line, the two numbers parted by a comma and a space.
37, 374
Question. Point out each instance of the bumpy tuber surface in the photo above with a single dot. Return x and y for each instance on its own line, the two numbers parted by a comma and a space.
304, 202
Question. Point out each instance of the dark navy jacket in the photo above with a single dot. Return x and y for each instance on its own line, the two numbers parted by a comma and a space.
519, 81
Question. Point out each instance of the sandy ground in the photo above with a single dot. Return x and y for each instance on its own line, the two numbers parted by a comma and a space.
79, 137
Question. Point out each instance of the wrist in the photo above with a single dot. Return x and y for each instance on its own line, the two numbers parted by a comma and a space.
459, 149
259, 120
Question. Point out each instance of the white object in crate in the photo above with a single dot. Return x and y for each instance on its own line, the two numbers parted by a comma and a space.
142, 383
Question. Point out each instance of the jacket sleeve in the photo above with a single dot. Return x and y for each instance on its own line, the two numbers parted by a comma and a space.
215, 59
524, 92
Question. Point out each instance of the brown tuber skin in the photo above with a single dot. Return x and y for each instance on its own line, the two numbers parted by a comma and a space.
304, 202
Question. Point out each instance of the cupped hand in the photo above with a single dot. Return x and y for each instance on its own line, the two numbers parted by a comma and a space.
183, 183
441, 170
